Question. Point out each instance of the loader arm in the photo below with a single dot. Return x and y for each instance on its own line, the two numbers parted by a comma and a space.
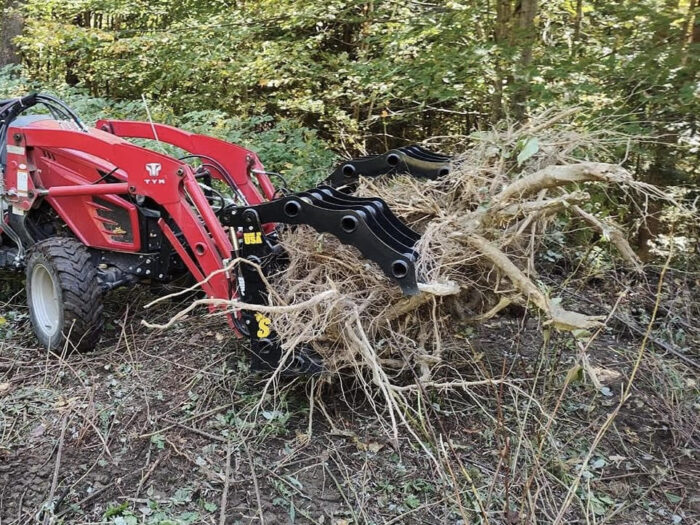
239, 165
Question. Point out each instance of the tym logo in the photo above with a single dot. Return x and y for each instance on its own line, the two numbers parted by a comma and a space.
153, 169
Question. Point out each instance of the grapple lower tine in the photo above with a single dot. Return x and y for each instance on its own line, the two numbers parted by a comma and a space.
381, 207
379, 218
362, 225
366, 224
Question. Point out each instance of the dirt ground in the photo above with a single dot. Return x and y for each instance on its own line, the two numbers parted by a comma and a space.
169, 428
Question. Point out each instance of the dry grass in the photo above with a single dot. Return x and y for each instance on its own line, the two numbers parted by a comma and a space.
153, 415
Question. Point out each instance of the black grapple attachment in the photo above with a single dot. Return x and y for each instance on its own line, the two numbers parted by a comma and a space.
413, 160
365, 223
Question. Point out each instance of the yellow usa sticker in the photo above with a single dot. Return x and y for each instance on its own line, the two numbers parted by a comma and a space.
252, 238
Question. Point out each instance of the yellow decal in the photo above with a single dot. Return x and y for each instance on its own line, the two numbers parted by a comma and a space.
252, 238
263, 325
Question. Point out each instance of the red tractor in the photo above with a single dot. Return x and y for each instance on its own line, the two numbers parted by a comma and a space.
84, 211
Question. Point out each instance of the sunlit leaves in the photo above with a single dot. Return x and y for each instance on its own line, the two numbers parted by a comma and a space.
337, 65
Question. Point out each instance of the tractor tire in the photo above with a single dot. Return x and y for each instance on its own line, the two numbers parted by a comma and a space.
64, 296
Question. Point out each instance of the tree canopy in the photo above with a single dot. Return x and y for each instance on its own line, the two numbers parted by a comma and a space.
375, 73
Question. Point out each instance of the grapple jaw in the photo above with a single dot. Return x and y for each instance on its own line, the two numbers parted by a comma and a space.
365, 223
368, 224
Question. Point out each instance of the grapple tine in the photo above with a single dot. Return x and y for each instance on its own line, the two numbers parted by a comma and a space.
379, 204
426, 154
375, 219
352, 226
414, 160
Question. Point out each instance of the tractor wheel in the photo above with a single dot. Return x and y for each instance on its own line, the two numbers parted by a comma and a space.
64, 296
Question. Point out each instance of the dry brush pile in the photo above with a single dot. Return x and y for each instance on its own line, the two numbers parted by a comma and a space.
481, 227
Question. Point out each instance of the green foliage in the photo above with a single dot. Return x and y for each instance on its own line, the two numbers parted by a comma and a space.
158, 440
165, 512
367, 75
116, 510
283, 144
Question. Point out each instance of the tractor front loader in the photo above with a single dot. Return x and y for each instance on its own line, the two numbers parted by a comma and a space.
84, 211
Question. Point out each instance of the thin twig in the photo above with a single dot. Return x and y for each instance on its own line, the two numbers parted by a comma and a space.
227, 481
258, 499
56, 470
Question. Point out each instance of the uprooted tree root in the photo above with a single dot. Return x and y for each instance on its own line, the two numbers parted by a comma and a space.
482, 226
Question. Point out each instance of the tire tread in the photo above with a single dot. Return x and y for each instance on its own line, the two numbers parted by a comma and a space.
81, 292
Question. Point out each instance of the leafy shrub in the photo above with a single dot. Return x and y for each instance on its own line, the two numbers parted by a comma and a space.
283, 145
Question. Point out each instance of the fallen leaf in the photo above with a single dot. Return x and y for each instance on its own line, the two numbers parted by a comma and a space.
531, 147
598, 463
302, 437
673, 498
575, 373
374, 447
606, 375
38, 431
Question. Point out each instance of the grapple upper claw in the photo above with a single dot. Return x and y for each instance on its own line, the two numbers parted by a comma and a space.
414, 160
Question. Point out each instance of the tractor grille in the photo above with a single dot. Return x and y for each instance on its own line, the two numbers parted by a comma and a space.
114, 219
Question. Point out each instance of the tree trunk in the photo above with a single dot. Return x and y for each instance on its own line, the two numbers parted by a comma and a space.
578, 20
693, 22
652, 226
691, 29
525, 36
11, 24
663, 167
504, 11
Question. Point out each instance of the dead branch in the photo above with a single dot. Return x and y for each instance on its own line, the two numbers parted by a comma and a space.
555, 176
612, 233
